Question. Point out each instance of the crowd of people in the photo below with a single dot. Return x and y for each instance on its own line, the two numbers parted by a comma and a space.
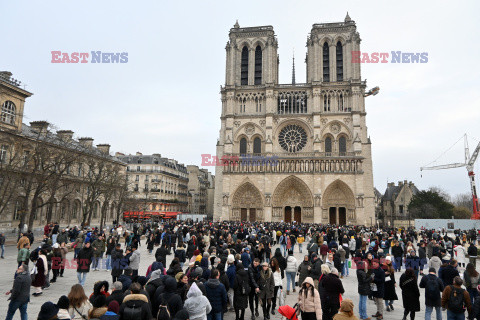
222, 267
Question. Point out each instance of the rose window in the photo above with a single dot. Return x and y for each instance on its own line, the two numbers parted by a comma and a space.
292, 138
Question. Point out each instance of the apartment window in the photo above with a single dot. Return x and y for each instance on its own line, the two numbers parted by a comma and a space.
79, 170
26, 157
400, 209
3, 153
138, 168
146, 177
137, 178
8, 112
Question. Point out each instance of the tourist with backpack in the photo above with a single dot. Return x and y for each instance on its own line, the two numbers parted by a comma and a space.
433, 289
135, 305
241, 291
216, 295
456, 299
169, 301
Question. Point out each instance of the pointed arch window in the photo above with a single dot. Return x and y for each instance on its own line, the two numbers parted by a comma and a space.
326, 103
328, 145
257, 145
339, 56
326, 63
258, 103
341, 103
243, 146
342, 145
258, 65
244, 67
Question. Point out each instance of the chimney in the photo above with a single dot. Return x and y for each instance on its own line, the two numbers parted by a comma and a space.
405, 182
65, 135
86, 142
41, 127
158, 155
391, 184
104, 148
5, 75
400, 183
119, 154
139, 154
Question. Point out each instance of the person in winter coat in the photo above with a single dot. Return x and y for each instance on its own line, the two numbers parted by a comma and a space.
460, 254
471, 277
433, 289
216, 295
390, 284
435, 262
316, 269
20, 293
42, 271
118, 264
291, 271
134, 260
197, 304
277, 279
312, 248
100, 288
346, 311
452, 291
309, 301
303, 269
84, 258
378, 288
241, 289
282, 262
79, 304
448, 273
413, 261
364, 281
324, 251
410, 293
23, 255
333, 289
180, 253
135, 306
254, 276
170, 297
231, 274
117, 293
266, 284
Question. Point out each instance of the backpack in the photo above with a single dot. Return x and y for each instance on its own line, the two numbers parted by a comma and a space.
245, 288
163, 312
132, 313
456, 300
432, 292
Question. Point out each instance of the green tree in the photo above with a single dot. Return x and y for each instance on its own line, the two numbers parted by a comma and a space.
461, 212
430, 205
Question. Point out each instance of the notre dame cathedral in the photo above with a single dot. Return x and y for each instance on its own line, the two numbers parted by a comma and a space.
300, 151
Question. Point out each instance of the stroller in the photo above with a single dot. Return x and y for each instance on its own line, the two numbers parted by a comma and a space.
289, 312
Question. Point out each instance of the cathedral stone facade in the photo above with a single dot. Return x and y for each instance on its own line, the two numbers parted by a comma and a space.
300, 151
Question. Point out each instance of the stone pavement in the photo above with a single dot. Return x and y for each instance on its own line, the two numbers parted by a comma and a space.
62, 287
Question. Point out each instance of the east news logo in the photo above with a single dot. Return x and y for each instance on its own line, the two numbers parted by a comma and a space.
94, 56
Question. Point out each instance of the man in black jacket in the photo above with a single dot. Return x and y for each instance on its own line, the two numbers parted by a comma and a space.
333, 288
84, 259
433, 290
472, 254
449, 273
20, 293
397, 253
135, 305
254, 275
316, 269
117, 293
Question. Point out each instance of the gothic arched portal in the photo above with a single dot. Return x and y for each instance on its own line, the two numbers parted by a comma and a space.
339, 202
292, 201
247, 203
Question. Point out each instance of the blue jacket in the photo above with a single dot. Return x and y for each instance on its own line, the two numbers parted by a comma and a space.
246, 259
216, 294
231, 274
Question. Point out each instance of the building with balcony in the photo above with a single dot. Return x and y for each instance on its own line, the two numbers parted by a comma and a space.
299, 151
159, 185
199, 182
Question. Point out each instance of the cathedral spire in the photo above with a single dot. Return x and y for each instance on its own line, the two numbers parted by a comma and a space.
293, 67
347, 18
236, 25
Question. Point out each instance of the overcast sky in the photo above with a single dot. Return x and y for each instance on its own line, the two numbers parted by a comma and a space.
166, 98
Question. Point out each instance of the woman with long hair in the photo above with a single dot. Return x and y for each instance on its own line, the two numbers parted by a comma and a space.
472, 278
410, 293
79, 304
309, 301
277, 277
390, 284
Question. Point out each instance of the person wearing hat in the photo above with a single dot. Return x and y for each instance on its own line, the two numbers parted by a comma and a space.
48, 311
231, 274
346, 311
135, 305
390, 294
63, 304
433, 289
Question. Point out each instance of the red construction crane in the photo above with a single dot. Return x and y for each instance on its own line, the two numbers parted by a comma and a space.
469, 163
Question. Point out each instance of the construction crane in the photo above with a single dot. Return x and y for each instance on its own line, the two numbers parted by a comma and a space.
469, 163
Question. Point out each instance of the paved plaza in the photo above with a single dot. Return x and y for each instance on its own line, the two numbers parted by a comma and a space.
62, 287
